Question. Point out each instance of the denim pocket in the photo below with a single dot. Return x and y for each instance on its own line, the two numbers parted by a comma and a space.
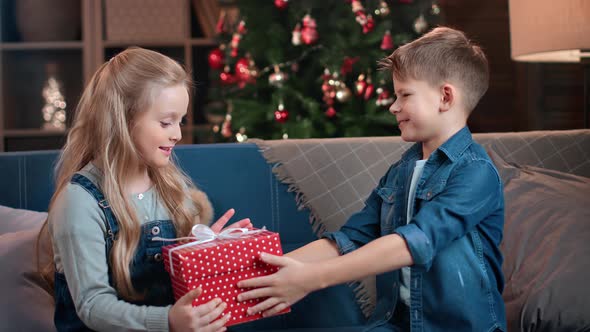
388, 199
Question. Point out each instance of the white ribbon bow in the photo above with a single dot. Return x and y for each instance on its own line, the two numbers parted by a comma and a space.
202, 234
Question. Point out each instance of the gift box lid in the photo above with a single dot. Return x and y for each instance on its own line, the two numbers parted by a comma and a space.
194, 260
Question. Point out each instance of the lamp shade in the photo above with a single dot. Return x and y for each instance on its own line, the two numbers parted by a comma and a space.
549, 30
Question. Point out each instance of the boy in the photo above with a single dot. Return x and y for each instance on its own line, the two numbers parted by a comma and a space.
430, 231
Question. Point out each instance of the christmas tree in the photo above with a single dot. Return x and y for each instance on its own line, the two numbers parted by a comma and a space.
305, 68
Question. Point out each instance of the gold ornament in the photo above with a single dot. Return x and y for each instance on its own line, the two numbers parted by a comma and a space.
343, 93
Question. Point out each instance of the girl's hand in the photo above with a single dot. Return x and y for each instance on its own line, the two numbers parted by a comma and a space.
218, 225
291, 283
184, 317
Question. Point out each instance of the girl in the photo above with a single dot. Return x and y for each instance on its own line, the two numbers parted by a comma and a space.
117, 188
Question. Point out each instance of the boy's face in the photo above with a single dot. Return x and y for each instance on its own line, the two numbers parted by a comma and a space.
157, 129
417, 110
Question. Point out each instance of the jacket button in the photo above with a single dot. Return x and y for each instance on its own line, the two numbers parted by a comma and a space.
158, 257
155, 230
428, 194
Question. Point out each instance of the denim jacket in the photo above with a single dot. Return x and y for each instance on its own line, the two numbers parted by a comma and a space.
453, 237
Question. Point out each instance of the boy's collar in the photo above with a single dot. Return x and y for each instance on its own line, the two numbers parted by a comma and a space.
452, 148
457, 144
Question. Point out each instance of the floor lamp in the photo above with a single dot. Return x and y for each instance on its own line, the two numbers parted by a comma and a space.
552, 31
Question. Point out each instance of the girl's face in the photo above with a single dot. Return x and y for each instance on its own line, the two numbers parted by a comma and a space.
157, 129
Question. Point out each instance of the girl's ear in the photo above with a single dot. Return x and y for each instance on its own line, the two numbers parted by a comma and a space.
448, 95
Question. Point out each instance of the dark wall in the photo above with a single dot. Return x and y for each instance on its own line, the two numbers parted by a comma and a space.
522, 96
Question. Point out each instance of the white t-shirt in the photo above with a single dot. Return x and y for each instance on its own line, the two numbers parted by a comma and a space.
404, 288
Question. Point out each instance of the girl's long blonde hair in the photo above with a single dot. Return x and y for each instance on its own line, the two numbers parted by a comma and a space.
119, 90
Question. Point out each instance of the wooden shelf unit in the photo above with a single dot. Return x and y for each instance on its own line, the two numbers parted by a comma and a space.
22, 73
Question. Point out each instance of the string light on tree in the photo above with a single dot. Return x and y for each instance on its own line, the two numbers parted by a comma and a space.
241, 135
383, 9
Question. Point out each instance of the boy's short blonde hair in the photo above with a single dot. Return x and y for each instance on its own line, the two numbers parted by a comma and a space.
443, 55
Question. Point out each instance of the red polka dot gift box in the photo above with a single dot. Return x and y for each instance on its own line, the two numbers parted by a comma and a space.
216, 262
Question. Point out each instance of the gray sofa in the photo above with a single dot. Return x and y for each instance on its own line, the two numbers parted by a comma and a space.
547, 191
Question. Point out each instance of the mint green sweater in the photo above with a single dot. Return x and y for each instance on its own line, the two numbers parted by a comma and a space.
77, 227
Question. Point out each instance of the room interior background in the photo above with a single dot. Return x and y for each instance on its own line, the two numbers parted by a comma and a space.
522, 96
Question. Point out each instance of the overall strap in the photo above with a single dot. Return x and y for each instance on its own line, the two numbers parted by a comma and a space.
110, 220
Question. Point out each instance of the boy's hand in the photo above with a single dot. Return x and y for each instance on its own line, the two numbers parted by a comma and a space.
291, 283
184, 317
218, 225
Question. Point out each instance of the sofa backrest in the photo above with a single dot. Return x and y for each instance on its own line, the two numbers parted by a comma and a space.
233, 175
237, 176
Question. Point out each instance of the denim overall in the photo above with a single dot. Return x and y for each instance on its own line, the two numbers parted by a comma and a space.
147, 270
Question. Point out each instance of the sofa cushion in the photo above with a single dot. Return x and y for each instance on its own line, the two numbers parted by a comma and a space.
24, 305
545, 246
14, 220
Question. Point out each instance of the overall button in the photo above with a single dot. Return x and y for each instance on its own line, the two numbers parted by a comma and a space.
155, 230
158, 257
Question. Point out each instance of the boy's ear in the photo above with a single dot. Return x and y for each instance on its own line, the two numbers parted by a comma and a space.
448, 95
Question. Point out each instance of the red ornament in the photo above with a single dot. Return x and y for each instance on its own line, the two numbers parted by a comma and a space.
370, 25
366, 21
226, 77
387, 42
243, 69
242, 27
281, 4
347, 65
360, 85
309, 34
226, 127
330, 112
220, 26
383, 98
216, 58
369, 90
281, 114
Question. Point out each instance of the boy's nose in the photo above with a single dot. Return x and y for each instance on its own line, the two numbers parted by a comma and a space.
394, 108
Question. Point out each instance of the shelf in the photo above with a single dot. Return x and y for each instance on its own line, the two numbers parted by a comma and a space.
171, 43
145, 44
33, 133
202, 42
24, 46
